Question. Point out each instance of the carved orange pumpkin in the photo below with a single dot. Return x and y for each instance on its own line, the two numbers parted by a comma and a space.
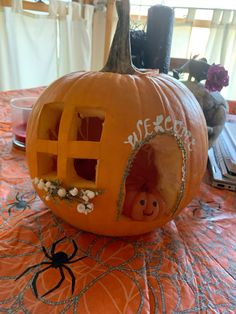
117, 152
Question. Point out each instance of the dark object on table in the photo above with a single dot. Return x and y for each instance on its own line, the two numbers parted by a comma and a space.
21, 202
213, 104
215, 75
214, 107
197, 69
56, 260
159, 38
138, 43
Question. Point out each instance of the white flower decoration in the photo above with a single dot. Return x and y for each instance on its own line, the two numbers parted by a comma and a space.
81, 208
90, 194
35, 180
74, 191
40, 185
90, 206
61, 192
85, 208
85, 198
48, 184
55, 189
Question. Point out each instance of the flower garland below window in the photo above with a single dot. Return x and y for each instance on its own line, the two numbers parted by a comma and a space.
54, 190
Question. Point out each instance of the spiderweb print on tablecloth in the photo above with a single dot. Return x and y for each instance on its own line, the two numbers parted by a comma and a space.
122, 274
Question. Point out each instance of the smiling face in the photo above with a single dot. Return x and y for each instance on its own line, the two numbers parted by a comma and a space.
141, 202
146, 206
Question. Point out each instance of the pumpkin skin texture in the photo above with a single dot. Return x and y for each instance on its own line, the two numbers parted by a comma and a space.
89, 129
124, 100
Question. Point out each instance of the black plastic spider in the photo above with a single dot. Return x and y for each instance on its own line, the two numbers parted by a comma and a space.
57, 260
22, 202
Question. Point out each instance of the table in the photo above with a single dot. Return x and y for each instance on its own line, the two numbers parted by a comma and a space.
188, 266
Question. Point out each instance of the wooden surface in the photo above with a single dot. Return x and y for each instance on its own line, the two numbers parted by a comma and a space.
109, 23
39, 6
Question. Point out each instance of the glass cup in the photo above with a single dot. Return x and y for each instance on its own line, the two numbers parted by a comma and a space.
21, 108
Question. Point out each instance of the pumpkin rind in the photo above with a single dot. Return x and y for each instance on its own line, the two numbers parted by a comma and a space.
124, 100
130, 111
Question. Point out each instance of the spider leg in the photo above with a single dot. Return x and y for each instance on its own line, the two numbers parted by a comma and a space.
75, 250
9, 209
31, 267
29, 194
55, 244
36, 277
210, 202
46, 253
33, 198
17, 196
72, 277
76, 260
11, 204
195, 209
57, 285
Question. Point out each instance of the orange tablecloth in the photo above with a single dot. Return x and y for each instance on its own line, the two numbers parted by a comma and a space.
188, 266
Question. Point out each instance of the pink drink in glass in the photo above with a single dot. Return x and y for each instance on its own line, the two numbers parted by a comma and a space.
21, 108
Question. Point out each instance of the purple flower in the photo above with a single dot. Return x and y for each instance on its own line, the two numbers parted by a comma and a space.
217, 78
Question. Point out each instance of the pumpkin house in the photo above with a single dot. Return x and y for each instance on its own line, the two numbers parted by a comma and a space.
117, 152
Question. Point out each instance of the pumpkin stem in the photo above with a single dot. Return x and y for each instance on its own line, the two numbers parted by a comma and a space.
119, 59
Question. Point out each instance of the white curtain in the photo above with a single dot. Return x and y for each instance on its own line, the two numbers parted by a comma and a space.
35, 49
75, 37
99, 30
100, 23
181, 48
221, 47
27, 48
